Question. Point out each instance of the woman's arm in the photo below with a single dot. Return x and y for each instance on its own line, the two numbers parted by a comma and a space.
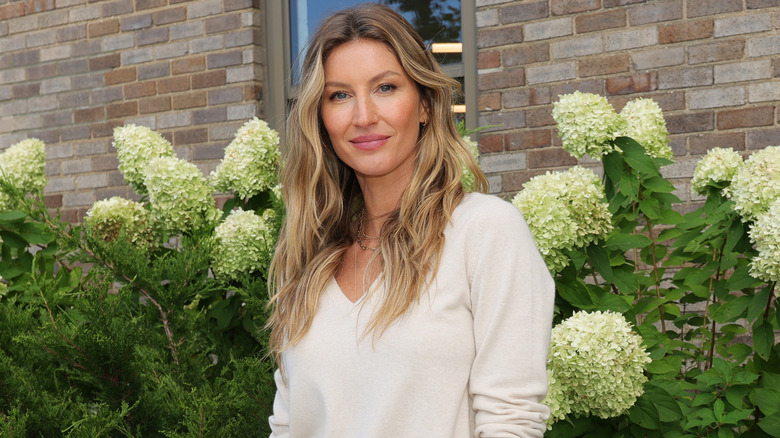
280, 420
512, 296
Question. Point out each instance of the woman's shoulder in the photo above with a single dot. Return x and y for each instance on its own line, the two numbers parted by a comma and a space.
480, 207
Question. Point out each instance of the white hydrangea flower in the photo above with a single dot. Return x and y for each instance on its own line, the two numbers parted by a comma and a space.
645, 123
564, 210
245, 243
555, 400
23, 165
180, 197
587, 124
765, 233
250, 163
3, 286
468, 180
756, 184
108, 217
718, 166
135, 147
598, 362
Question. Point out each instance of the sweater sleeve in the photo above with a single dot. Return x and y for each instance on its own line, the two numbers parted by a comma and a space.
280, 420
512, 298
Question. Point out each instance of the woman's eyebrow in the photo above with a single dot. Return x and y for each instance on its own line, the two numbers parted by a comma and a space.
376, 78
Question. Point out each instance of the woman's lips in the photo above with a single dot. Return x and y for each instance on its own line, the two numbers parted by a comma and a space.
369, 142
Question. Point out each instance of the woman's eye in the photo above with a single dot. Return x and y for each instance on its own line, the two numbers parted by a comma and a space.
386, 88
338, 95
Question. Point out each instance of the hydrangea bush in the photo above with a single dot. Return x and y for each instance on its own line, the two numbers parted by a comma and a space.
107, 219
245, 243
23, 166
690, 286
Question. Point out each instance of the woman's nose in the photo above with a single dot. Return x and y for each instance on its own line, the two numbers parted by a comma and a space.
364, 112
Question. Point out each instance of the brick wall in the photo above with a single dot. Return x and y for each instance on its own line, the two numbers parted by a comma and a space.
72, 70
713, 67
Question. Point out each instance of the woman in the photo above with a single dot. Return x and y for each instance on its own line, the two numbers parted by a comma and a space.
402, 307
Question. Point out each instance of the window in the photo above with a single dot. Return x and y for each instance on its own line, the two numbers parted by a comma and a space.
442, 24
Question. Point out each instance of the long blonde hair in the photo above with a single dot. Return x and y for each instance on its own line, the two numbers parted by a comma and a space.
322, 195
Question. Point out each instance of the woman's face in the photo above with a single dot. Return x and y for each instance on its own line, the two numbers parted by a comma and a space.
372, 111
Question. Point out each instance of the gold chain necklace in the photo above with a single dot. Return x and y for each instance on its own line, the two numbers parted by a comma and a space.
360, 232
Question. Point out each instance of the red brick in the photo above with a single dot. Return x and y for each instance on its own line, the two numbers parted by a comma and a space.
34, 6
699, 8
761, 4
104, 162
491, 143
524, 12
140, 89
89, 115
102, 27
190, 136
172, 15
595, 86
701, 143
11, 10
526, 54
253, 92
500, 36
170, 85
655, 12
718, 51
154, 104
513, 182
600, 21
696, 122
123, 109
604, 65
120, 76
762, 138
189, 100
745, 118
670, 100
511, 77
550, 157
35, 72
529, 139
489, 101
564, 7
687, 31
489, 59
100, 130
616, 3
222, 23
632, 84
104, 62
149, 4
209, 79
25, 90
537, 117
52, 201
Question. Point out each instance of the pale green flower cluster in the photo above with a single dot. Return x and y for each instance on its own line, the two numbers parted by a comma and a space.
765, 233
555, 400
250, 163
756, 184
107, 218
587, 124
136, 146
564, 210
244, 243
720, 165
645, 124
180, 197
3, 286
23, 165
598, 363
467, 180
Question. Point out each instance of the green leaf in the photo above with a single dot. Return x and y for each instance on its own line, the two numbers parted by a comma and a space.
11, 216
576, 294
763, 338
599, 259
735, 395
636, 157
616, 303
668, 408
666, 365
658, 184
625, 242
12, 240
732, 310
758, 304
629, 185
767, 400
644, 413
718, 408
771, 424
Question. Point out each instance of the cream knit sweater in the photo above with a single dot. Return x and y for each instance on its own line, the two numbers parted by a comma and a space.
467, 361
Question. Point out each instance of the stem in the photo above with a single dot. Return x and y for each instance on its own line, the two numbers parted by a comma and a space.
655, 271
719, 253
769, 300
